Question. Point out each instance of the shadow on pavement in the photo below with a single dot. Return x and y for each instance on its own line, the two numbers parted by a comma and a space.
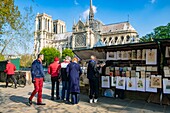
19, 99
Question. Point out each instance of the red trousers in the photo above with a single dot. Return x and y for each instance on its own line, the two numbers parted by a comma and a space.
38, 84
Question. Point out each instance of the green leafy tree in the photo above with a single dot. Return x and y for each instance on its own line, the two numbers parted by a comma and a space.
49, 54
160, 32
9, 14
67, 52
26, 60
2, 57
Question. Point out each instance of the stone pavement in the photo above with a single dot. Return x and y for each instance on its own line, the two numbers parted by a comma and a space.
16, 101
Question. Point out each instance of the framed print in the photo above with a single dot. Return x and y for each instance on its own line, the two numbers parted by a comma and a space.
120, 82
151, 56
134, 55
154, 68
142, 68
156, 81
113, 81
117, 73
148, 68
107, 71
127, 73
119, 55
139, 55
105, 81
137, 74
124, 55
144, 54
131, 83
148, 86
166, 71
138, 68
167, 52
111, 56
142, 74
166, 86
140, 84
129, 53
133, 73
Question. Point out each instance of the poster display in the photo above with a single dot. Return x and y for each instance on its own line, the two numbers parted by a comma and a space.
140, 84
131, 84
148, 86
156, 81
166, 86
120, 82
111, 56
113, 81
151, 56
105, 81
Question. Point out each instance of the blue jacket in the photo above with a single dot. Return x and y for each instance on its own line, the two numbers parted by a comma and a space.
37, 70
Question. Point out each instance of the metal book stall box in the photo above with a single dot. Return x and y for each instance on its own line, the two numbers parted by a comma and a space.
135, 71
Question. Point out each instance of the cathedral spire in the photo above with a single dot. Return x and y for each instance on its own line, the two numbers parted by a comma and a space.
91, 13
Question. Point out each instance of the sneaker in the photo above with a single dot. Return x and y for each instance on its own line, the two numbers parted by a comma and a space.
29, 102
91, 100
95, 100
41, 103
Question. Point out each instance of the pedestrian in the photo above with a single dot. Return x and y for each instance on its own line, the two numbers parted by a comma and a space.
93, 76
74, 71
53, 70
65, 79
10, 68
38, 75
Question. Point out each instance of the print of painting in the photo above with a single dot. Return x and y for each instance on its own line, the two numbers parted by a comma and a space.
167, 52
105, 81
166, 86
144, 54
139, 55
151, 56
113, 81
111, 56
148, 86
140, 83
120, 82
134, 55
156, 81
131, 83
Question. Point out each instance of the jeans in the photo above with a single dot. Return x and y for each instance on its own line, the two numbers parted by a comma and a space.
54, 81
94, 88
13, 78
38, 84
65, 85
74, 98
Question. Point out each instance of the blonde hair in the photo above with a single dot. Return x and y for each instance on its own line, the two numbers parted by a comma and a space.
75, 59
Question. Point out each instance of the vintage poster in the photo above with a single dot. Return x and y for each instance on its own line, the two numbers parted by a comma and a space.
105, 81
113, 81
120, 82
118, 55
167, 52
140, 83
139, 55
166, 86
156, 81
144, 54
107, 71
148, 86
131, 83
151, 56
111, 56
134, 55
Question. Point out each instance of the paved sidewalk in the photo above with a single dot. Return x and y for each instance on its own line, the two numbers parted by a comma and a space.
16, 101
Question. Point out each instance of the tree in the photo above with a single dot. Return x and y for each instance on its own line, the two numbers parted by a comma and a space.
49, 54
12, 40
26, 60
160, 32
2, 57
9, 14
67, 52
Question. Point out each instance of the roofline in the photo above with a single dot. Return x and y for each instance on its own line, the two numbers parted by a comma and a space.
116, 23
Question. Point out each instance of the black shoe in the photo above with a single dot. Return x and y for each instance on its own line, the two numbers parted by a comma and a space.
29, 102
68, 102
57, 98
52, 98
15, 87
41, 103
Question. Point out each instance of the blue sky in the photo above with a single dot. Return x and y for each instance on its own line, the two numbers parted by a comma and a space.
144, 15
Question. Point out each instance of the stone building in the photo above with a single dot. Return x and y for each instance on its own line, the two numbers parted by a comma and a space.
49, 33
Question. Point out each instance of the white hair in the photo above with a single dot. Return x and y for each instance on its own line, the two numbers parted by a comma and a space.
68, 58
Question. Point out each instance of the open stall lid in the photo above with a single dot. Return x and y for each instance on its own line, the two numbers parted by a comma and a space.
84, 54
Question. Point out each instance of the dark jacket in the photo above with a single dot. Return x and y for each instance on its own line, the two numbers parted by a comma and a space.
64, 75
92, 71
74, 71
37, 70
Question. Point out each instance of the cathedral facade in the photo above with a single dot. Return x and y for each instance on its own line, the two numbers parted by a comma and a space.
88, 34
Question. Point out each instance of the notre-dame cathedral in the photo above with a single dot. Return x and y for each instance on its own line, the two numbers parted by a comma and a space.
52, 33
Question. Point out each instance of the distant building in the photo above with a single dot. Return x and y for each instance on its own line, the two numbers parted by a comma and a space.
52, 33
